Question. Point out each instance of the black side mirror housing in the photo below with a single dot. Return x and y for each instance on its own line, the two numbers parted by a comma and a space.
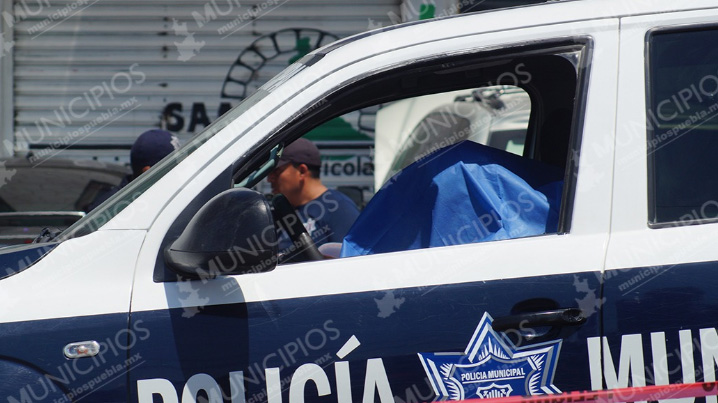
233, 233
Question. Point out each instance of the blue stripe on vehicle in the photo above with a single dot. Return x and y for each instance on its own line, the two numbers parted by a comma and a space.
392, 325
33, 367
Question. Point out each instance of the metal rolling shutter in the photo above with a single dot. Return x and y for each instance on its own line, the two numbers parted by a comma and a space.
91, 75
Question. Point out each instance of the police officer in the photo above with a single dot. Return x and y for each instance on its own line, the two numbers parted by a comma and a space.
149, 148
327, 214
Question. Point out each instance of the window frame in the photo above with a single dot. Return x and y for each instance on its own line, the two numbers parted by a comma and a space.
320, 111
652, 199
315, 113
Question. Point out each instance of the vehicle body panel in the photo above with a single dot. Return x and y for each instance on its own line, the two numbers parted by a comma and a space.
381, 327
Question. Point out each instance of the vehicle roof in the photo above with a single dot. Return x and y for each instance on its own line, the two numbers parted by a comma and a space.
552, 12
575, 10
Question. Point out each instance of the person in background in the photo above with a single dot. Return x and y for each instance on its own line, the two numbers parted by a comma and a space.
327, 214
149, 148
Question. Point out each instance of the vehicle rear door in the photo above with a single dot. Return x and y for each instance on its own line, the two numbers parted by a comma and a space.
660, 312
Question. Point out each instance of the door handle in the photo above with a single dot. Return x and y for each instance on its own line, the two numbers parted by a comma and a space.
555, 317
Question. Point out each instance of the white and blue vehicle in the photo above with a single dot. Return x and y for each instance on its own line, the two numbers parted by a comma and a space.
171, 292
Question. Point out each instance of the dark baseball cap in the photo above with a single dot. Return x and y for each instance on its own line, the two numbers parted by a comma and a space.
301, 151
150, 148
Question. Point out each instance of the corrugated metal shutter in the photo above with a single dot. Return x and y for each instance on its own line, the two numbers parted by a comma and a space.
91, 75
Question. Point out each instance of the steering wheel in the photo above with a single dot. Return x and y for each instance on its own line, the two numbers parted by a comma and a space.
303, 246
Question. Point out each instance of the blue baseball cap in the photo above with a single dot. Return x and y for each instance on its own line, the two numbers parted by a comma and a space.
150, 147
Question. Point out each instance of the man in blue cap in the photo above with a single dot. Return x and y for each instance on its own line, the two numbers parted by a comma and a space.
327, 214
149, 148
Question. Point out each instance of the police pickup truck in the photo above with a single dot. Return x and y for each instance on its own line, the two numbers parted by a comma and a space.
170, 291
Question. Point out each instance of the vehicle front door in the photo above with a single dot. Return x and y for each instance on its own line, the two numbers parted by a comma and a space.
440, 323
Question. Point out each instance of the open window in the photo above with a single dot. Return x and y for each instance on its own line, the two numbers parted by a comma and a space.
482, 147
515, 109
410, 129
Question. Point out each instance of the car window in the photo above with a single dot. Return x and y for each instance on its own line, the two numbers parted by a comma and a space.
479, 150
496, 116
682, 126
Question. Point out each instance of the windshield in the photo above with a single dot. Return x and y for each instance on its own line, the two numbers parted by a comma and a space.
115, 204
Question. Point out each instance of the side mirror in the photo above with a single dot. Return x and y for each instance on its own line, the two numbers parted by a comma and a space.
233, 233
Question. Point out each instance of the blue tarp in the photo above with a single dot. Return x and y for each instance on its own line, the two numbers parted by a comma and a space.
460, 194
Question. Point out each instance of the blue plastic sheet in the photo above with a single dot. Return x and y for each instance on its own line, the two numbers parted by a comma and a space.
461, 194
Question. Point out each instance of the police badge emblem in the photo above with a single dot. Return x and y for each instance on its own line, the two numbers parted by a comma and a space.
492, 366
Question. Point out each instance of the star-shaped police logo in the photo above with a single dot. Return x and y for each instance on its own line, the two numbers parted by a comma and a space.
492, 366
